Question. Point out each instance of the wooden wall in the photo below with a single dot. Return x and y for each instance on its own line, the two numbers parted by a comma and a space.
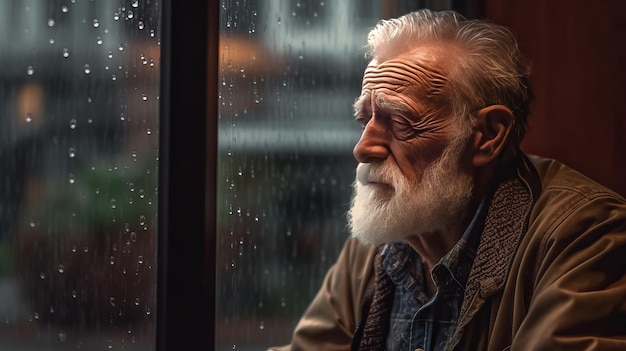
578, 51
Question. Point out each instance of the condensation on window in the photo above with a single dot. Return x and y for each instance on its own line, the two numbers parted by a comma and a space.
78, 188
289, 73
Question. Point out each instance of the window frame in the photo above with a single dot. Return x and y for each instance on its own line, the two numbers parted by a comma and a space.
187, 177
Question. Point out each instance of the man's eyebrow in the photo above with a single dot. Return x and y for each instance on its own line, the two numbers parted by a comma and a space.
390, 106
359, 104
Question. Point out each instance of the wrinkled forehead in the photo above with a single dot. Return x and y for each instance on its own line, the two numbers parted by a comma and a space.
421, 74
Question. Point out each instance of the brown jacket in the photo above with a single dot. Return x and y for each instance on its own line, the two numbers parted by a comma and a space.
550, 274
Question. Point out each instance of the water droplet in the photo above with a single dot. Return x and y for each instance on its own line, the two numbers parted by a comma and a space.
87, 69
64, 9
51, 41
28, 118
148, 312
112, 301
113, 205
73, 123
61, 336
61, 269
71, 178
71, 152
148, 131
112, 260
36, 315
32, 223
137, 302
130, 14
144, 97
133, 236
30, 70
141, 194
135, 3
262, 325
99, 40
121, 47
140, 259
42, 275
66, 52
74, 294
140, 25
51, 22
96, 24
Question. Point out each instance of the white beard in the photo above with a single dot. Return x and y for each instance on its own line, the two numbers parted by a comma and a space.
402, 209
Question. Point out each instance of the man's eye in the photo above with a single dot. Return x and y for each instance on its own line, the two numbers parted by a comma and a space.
402, 129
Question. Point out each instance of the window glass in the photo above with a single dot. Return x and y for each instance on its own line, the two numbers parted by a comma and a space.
78, 187
289, 73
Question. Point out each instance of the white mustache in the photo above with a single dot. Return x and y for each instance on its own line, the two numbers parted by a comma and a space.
370, 173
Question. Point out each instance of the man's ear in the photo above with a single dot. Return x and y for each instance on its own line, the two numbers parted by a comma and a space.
494, 123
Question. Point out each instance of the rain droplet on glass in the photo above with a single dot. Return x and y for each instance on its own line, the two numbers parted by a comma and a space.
71, 178
140, 259
61, 336
73, 123
71, 152
51, 22
99, 40
96, 23
30, 70
61, 269
28, 118
140, 25
87, 69
135, 3
66, 52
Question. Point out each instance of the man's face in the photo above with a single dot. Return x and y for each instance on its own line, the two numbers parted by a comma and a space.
411, 179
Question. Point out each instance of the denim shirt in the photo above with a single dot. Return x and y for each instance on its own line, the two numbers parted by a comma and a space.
417, 321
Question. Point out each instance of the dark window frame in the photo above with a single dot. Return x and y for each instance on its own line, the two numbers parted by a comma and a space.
188, 153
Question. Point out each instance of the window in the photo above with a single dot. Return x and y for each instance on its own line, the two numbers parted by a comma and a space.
79, 135
128, 219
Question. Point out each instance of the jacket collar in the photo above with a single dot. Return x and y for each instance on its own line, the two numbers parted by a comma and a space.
506, 222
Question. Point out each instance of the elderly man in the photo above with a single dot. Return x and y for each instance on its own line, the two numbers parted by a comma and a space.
459, 240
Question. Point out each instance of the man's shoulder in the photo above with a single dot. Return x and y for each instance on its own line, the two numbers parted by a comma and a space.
568, 196
558, 178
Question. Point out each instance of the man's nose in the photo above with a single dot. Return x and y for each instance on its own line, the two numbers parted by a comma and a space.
374, 143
